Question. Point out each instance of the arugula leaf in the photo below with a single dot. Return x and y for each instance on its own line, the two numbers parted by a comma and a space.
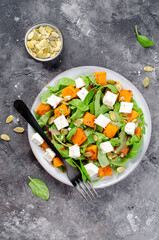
101, 137
112, 88
141, 120
119, 162
89, 141
62, 168
85, 172
116, 107
64, 153
91, 107
135, 149
62, 83
78, 114
98, 98
39, 188
44, 96
132, 140
122, 137
71, 162
115, 142
88, 131
102, 158
36, 115
42, 121
143, 40
71, 133
102, 110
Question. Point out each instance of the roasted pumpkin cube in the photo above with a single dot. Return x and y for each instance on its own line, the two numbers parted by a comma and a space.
44, 145
133, 115
93, 150
79, 137
43, 108
88, 119
125, 95
100, 77
124, 152
57, 162
138, 132
106, 171
62, 109
70, 91
110, 130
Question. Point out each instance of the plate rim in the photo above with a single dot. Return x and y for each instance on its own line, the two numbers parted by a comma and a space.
150, 126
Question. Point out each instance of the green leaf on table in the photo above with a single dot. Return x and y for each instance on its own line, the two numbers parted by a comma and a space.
42, 121
143, 40
39, 188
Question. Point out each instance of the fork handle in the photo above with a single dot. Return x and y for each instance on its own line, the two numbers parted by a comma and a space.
21, 107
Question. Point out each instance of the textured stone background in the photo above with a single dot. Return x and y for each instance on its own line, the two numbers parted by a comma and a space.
95, 33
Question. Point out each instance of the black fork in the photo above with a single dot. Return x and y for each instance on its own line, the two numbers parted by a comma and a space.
85, 189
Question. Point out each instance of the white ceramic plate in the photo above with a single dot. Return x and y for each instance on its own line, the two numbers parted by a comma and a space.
132, 164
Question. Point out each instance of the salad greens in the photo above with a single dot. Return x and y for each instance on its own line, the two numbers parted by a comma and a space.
39, 188
125, 146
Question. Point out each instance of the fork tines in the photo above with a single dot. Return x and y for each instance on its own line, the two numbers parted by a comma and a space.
86, 190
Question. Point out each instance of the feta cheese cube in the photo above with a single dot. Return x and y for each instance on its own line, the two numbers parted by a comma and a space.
130, 128
82, 93
49, 155
92, 170
61, 122
106, 147
126, 107
109, 99
36, 138
54, 100
102, 121
74, 151
80, 83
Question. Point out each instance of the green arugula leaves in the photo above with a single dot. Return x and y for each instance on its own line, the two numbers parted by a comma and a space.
143, 40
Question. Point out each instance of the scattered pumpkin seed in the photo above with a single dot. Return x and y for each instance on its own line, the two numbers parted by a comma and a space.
111, 82
67, 98
120, 169
68, 119
111, 156
64, 131
122, 99
118, 86
95, 126
112, 116
122, 155
51, 120
95, 137
5, 137
62, 111
146, 82
148, 69
79, 121
110, 107
87, 154
69, 144
9, 119
134, 121
54, 131
19, 130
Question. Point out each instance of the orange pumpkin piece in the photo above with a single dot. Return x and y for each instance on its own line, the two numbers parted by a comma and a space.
88, 119
94, 150
124, 152
110, 130
138, 132
133, 115
125, 95
57, 162
44, 145
79, 137
100, 77
106, 171
70, 91
43, 108
64, 110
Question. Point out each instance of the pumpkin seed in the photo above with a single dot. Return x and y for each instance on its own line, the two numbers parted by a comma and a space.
112, 116
30, 35
134, 121
118, 86
64, 131
120, 169
54, 131
51, 120
9, 119
110, 107
95, 137
122, 99
68, 119
148, 69
62, 111
19, 130
95, 126
122, 155
87, 154
64, 102
111, 156
5, 137
111, 82
146, 82
69, 144
67, 98
78, 121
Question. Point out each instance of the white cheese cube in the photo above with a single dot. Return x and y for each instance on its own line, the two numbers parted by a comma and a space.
92, 170
82, 93
80, 83
74, 151
109, 99
61, 122
106, 147
130, 128
126, 107
102, 121
36, 138
54, 100
49, 155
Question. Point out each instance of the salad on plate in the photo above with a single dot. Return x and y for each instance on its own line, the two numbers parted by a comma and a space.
93, 122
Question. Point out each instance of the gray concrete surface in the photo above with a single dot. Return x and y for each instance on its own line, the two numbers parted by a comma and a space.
96, 33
